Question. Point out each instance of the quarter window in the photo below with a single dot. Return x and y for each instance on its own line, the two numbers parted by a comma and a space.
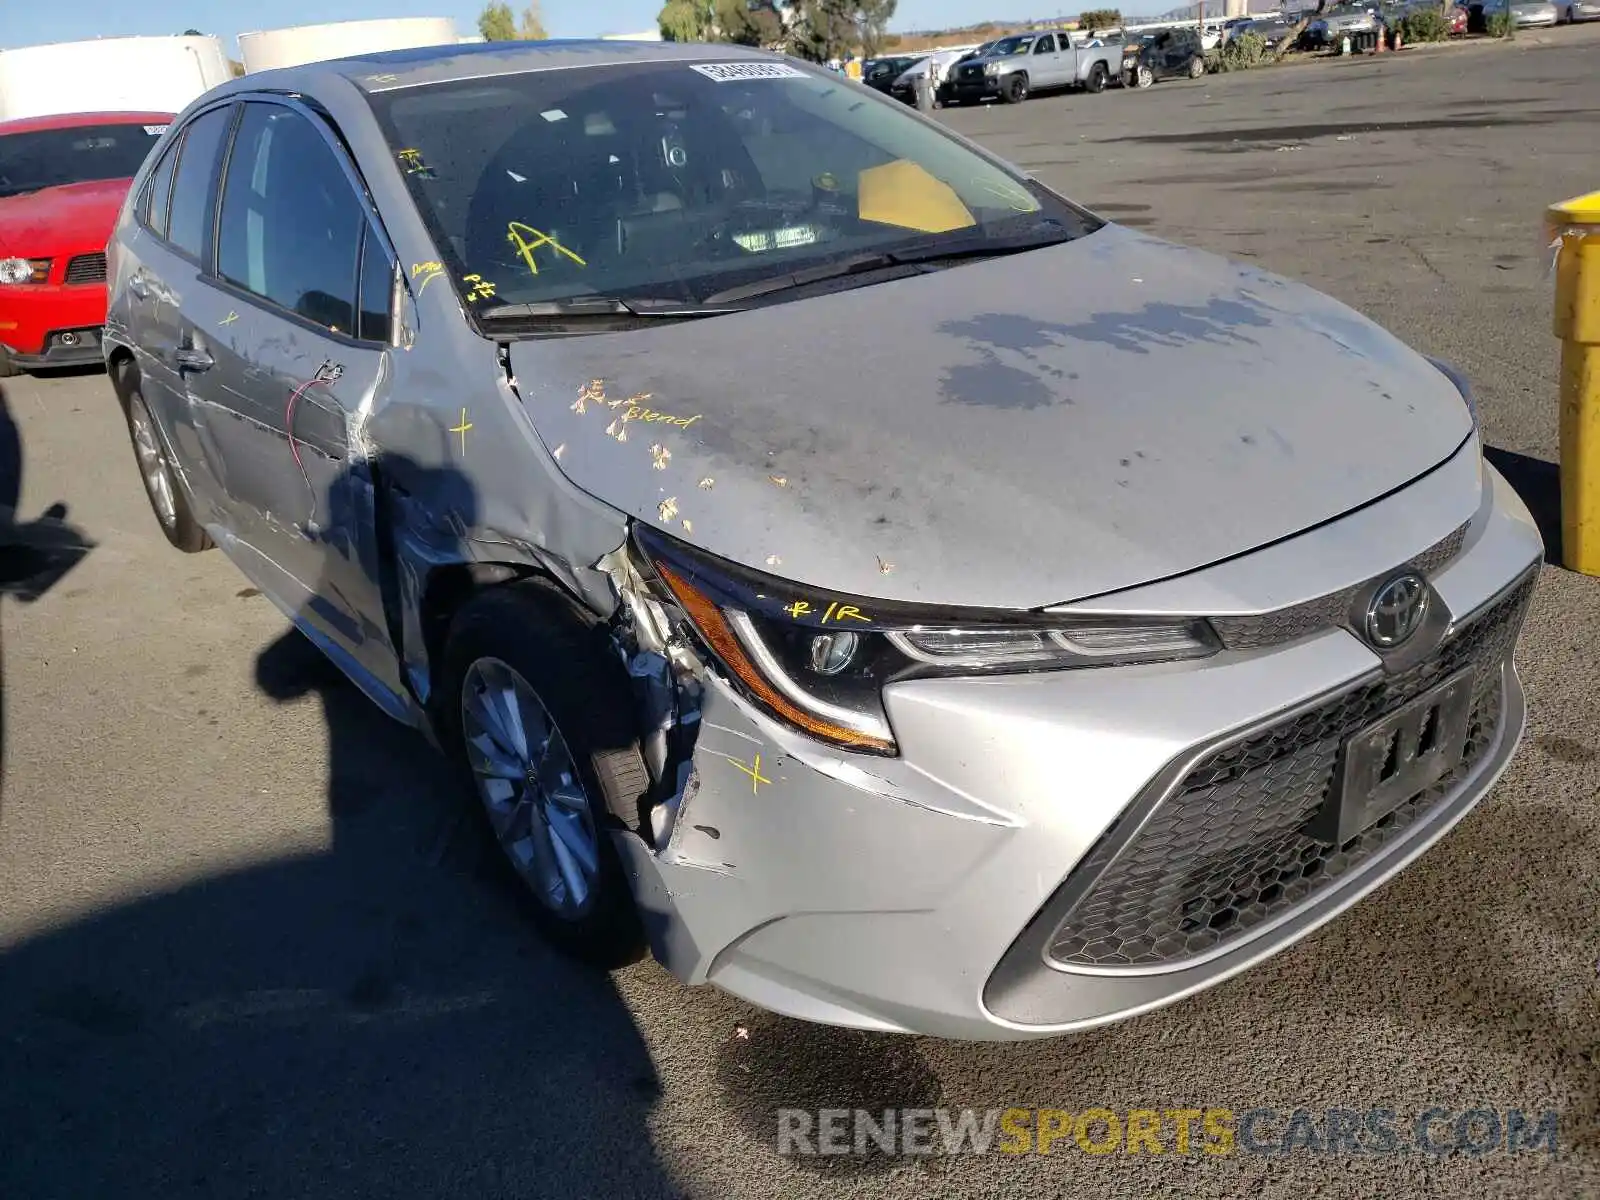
377, 289
155, 204
291, 223
192, 194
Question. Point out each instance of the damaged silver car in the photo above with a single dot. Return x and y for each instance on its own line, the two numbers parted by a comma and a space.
887, 590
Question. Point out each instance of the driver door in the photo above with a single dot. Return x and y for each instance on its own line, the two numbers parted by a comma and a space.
1044, 64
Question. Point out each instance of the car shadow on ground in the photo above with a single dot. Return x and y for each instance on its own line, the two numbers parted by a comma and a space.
376, 1018
1539, 484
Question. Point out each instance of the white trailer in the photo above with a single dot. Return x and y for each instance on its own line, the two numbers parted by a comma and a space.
134, 74
291, 47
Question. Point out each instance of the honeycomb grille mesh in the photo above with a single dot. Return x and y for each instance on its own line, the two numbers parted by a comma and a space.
1324, 612
87, 268
1228, 851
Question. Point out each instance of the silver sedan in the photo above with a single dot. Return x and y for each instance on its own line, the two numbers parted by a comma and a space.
891, 592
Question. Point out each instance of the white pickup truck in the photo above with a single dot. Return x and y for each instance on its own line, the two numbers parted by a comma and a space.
1016, 66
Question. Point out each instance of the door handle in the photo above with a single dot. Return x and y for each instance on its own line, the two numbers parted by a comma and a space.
190, 359
137, 285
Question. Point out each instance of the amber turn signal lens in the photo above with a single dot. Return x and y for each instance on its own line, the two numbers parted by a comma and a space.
708, 619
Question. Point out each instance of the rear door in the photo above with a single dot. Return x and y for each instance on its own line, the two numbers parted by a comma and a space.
175, 212
297, 322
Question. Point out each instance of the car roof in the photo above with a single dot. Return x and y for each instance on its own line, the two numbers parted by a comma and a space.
76, 120
390, 70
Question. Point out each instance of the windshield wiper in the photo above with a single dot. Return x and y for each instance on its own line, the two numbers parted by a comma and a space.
917, 254
597, 306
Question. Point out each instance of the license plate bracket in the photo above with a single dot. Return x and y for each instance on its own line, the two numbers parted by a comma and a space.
1397, 756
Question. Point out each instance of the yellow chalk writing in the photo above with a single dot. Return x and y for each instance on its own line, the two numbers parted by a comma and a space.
427, 272
527, 239
638, 412
843, 612
411, 160
462, 430
478, 288
798, 609
753, 770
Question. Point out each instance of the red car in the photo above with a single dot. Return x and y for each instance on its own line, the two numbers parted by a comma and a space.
62, 182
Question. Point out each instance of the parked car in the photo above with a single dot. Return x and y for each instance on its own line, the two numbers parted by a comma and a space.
62, 180
1581, 10
1338, 22
943, 93
1019, 65
1525, 14
1274, 31
935, 66
880, 73
1170, 53
1022, 696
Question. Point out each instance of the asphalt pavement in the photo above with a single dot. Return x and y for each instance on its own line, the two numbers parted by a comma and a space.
249, 946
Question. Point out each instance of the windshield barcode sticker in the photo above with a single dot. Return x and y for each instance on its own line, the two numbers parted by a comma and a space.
733, 72
155, 130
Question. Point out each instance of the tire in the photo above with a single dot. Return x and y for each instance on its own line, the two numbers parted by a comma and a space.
1015, 90
527, 634
1143, 77
1097, 78
161, 484
1197, 67
8, 369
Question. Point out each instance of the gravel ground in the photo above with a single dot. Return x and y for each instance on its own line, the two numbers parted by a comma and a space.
247, 946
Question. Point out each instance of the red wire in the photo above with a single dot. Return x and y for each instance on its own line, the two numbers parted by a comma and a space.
294, 448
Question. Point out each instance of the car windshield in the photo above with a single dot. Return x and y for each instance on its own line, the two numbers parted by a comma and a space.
1009, 46
677, 181
45, 158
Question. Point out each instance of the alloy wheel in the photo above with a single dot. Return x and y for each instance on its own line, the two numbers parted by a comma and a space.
529, 786
152, 462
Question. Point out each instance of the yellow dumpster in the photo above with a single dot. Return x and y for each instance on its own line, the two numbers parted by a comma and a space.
1574, 226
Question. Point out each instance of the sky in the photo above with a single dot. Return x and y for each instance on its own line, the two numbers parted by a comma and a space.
31, 22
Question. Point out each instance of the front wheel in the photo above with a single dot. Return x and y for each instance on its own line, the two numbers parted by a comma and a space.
1097, 78
1197, 67
1143, 77
1015, 90
537, 714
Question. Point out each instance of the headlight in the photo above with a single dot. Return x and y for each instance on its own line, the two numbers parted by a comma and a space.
991, 68
24, 270
1461, 385
819, 661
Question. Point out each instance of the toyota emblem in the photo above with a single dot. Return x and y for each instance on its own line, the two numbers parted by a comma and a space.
1396, 610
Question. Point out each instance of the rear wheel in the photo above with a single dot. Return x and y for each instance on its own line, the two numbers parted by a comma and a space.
1015, 90
1097, 78
1197, 67
167, 500
537, 712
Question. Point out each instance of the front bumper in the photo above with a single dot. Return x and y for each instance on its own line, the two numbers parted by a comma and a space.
34, 316
972, 90
925, 893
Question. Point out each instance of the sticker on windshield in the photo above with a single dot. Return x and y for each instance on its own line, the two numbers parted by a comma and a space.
730, 72
155, 130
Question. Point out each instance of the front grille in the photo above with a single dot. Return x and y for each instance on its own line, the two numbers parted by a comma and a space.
87, 268
1228, 849
1325, 612
972, 72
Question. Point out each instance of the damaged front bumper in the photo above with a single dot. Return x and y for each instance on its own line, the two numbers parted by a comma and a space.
979, 886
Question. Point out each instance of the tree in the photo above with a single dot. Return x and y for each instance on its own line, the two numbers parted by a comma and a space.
825, 29
192, 33
496, 23
686, 21
1100, 18
872, 25
532, 24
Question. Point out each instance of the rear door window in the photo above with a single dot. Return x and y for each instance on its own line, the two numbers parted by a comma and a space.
154, 203
193, 189
291, 223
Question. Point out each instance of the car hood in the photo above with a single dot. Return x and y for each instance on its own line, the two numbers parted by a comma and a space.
71, 219
1015, 433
